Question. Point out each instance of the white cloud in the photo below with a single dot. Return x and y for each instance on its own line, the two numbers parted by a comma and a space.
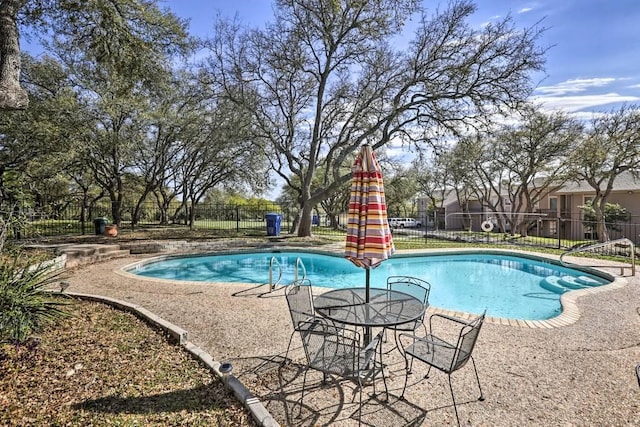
580, 102
634, 86
574, 86
489, 20
525, 10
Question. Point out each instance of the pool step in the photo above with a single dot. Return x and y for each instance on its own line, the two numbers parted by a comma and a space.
571, 283
89, 253
552, 284
585, 280
560, 285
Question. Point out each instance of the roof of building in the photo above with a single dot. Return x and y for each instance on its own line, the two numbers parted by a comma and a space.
623, 182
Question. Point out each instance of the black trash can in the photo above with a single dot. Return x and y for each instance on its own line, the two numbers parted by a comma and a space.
100, 224
273, 224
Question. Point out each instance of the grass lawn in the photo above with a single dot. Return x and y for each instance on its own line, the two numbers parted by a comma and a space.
103, 366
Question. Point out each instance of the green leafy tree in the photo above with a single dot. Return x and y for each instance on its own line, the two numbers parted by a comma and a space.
401, 189
434, 181
517, 165
37, 142
127, 37
614, 213
337, 203
609, 148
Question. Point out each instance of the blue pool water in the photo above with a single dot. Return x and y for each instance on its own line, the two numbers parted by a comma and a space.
507, 286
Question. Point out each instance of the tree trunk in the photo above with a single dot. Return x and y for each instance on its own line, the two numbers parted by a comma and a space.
523, 229
333, 220
116, 210
192, 215
601, 226
12, 96
304, 228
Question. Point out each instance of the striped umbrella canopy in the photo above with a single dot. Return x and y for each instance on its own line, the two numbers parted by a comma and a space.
369, 240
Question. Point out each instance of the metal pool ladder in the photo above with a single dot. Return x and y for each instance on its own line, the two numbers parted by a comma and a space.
275, 263
611, 243
272, 263
300, 264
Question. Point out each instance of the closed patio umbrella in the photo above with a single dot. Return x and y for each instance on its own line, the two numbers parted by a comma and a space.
369, 240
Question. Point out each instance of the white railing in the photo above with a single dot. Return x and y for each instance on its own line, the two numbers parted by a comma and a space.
617, 243
272, 263
300, 264
275, 263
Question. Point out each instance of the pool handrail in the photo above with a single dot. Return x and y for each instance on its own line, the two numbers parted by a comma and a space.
299, 264
275, 261
586, 248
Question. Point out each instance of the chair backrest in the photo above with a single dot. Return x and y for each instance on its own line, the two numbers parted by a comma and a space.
410, 285
300, 301
328, 349
466, 342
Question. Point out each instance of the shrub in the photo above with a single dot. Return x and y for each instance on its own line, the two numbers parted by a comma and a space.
25, 303
613, 213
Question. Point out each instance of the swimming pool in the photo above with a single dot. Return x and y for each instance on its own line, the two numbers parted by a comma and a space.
507, 286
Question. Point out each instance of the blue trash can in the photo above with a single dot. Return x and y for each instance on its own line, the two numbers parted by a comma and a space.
315, 220
273, 224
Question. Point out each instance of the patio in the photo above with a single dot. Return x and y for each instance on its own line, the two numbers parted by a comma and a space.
579, 374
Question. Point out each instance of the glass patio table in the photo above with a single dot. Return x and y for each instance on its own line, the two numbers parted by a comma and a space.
385, 307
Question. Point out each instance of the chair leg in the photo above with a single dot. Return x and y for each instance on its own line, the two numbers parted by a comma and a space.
481, 397
286, 355
384, 378
384, 381
304, 382
426, 331
360, 402
406, 375
455, 408
428, 372
408, 369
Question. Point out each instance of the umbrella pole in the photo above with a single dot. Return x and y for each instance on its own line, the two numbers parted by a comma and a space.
367, 329
367, 284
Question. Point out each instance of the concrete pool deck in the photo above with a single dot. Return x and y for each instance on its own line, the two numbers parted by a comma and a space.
576, 372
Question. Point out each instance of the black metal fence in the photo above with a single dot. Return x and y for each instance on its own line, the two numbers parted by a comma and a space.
252, 220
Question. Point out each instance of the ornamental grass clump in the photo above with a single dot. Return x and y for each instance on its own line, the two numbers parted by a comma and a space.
26, 303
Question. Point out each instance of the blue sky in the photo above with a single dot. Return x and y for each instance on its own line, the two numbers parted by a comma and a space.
593, 63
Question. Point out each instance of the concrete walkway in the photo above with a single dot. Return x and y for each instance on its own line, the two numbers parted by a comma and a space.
579, 373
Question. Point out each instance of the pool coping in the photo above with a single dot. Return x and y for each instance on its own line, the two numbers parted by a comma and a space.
568, 300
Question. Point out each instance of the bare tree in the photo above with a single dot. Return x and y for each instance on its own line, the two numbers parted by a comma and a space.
326, 77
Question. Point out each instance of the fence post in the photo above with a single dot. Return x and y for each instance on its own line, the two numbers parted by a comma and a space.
237, 218
558, 232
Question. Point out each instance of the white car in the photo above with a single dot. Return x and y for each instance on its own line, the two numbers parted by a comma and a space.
404, 223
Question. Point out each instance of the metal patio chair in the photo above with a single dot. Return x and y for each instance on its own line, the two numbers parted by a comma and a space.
332, 350
446, 356
413, 286
300, 301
